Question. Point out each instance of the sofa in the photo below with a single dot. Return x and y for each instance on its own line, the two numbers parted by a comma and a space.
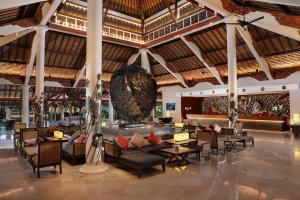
134, 157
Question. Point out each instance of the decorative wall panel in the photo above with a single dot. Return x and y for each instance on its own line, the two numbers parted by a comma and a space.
275, 105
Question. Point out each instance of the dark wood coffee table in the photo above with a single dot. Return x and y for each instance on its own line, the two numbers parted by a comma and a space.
180, 154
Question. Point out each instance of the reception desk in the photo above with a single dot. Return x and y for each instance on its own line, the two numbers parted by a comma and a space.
257, 123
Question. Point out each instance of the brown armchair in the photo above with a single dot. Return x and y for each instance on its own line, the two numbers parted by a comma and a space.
28, 137
17, 128
215, 143
48, 154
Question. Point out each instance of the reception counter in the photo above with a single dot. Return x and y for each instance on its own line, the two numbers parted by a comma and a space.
257, 122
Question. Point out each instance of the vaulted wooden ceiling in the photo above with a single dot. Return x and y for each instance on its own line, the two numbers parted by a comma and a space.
137, 8
65, 53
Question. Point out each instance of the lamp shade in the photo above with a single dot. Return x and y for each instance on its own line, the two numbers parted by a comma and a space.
178, 137
296, 118
58, 134
179, 125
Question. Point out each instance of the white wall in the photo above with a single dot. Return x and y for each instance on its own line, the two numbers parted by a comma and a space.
173, 93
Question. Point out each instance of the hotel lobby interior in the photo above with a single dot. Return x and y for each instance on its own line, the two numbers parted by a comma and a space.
150, 99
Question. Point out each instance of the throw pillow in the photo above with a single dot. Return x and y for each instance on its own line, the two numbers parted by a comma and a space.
153, 139
217, 128
122, 141
138, 141
80, 139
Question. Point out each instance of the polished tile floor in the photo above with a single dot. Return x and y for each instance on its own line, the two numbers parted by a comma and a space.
270, 170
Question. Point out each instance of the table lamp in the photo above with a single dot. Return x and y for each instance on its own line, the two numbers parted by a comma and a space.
296, 118
58, 134
178, 137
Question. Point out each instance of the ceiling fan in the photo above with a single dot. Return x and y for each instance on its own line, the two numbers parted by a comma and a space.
244, 23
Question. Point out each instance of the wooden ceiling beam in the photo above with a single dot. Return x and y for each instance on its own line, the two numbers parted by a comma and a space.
47, 11
14, 36
5, 4
256, 51
17, 26
286, 25
163, 63
106, 7
188, 41
142, 15
133, 58
167, 4
79, 75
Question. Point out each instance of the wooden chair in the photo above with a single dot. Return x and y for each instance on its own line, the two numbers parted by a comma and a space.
217, 144
243, 135
17, 128
205, 136
48, 154
28, 137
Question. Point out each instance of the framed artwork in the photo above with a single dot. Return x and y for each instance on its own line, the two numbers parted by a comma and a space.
170, 106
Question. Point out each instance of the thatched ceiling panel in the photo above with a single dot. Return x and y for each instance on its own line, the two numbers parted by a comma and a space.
174, 50
13, 14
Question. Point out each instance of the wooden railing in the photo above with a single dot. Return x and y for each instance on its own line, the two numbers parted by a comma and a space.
79, 24
196, 18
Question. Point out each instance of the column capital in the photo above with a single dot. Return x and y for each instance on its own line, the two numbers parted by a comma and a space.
232, 19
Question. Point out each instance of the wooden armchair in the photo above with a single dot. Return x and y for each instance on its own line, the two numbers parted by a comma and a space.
243, 135
17, 128
215, 143
48, 154
205, 136
28, 137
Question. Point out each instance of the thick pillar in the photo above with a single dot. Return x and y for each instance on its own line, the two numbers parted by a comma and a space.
25, 105
40, 68
232, 71
94, 87
145, 64
110, 112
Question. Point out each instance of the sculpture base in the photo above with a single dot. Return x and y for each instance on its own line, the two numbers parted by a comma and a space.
93, 169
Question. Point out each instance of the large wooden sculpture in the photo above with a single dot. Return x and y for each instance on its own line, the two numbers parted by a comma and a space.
133, 93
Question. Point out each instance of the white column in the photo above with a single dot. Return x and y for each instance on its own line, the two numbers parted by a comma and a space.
94, 77
232, 71
110, 112
145, 64
25, 105
40, 67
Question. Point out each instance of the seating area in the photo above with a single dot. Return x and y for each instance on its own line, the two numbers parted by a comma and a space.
141, 152
149, 99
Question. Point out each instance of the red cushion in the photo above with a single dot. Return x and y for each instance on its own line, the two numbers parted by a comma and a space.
80, 139
153, 139
51, 129
122, 141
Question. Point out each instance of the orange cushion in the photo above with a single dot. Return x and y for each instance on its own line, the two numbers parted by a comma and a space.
80, 139
122, 141
153, 139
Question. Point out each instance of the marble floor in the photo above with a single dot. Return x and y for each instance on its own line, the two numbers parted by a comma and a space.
269, 170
